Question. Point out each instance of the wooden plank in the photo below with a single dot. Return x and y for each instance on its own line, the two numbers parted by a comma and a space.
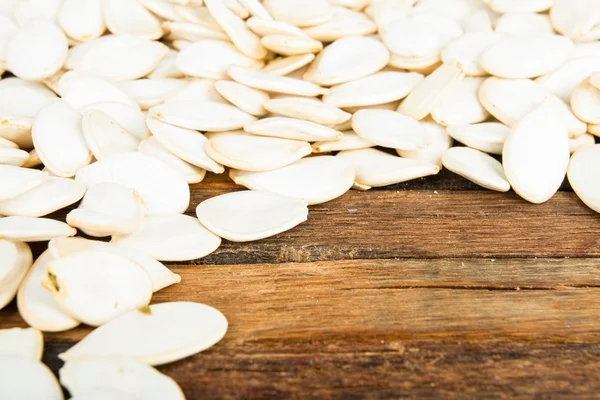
387, 368
408, 299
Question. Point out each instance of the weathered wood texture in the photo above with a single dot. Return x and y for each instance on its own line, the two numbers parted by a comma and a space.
399, 294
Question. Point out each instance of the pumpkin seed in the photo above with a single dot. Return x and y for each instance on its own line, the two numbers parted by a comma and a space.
291, 128
104, 136
376, 168
205, 116
29, 229
273, 83
179, 329
536, 154
526, 56
581, 142
248, 152
524, 23
266, 27
564, 79
347, 59
517, 6
315, 179
16, 261
349, 141
36, 51
129, 117
390, 129
131, 18
210, 59
152, 147
488, 137
118, 373
309, 109
582, 168
288, 45
256, 9
427, 94
343, 23
300, 12
162, 8
161, 188
106, 209
36, 305
187, 144
477, 21
82, 20
20, 98
81, 91
51, 195
477, 167
17, 376
15, 180
439, 142
585, 102
28, 343
170, 237
256, 215
96, 287
468, 49
14, 157
286, 65
243, 97
152, 92
460, 104
159, 275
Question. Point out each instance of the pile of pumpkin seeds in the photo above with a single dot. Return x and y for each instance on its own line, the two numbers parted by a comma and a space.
119, 105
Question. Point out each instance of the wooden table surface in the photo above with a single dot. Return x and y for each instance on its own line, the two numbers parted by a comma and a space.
429, 289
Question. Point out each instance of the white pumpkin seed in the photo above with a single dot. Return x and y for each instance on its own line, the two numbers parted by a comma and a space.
198, 15
152, 92
20, 98
467, 51
210, 59
14, 157
29, 229
104, 136
205, 116
36, 51
26, 11
286, 65
585, 102
376, 168
118, 373
167, 67
526, 56
76, 53
15, 180
59, 139
308, 109
273, 83
581, 142
343, 23
423, 65
36, 305
163, 9
179, 330
18, 376
519, 6
256, 9
51, 195
564, 79
187, 144
248, 152
347, 59
8, 27
288, 45
477, 167
160, 275
477, 21
243, 97
152, 147
266, 27
129, 117
350, 141
509, 100
300, 12
439, 142
170, 237
488, 137
131, 18
582, 170
574, 19
427, 94
235, 27
379, 88
198, 90
7, 144
27, 343
524, 23
390, 129
122, 58
14, 264
315, 180
161, 188
460, 104
96, 287
82, 20
33, 160
81, 91
17, 130
106, 209
536, 154
251, 215
291, 128
409, 37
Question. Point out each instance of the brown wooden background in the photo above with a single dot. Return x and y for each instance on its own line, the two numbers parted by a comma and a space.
429, 289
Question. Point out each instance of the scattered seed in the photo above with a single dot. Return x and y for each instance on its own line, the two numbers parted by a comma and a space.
582, 170
477, 167
18, 374
21, 342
